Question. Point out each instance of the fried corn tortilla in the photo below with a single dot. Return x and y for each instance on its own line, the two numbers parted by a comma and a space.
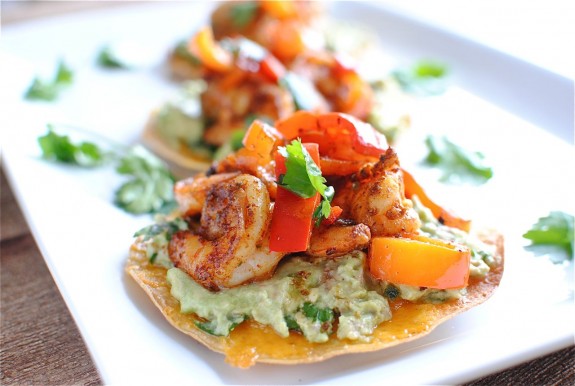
251, 342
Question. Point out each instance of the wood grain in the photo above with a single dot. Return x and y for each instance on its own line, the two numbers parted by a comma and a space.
39, 341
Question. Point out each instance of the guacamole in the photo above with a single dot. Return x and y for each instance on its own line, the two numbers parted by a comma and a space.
307, 295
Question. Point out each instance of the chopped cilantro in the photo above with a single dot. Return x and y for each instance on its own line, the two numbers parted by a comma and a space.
211, 326
555, 229
457, 164
243, 13
292, 323
60, 148
303, 177
49, 90
150, 188
314, 312
424, 78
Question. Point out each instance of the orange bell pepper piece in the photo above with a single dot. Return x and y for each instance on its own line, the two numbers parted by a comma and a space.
281, 9
211, 54
286, 40
420, 262
444, 216
292, 218
261, 140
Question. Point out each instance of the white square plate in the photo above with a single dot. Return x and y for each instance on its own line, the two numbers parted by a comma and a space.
84, 238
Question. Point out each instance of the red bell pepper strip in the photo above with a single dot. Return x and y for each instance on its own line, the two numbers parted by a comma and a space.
340, 136
292, 218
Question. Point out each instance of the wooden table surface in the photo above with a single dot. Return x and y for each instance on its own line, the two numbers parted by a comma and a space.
39, 341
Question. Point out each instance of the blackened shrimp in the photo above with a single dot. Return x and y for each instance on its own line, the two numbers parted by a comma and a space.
190, 193
338, 239
375, 196
230, 246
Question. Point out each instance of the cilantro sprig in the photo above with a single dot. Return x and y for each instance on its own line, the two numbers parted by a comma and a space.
49, 90
457, 163
554, 230
109, 59
149, 188
60, 148
303, 177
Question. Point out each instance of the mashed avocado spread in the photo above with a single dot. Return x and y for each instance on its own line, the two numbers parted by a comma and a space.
307, 295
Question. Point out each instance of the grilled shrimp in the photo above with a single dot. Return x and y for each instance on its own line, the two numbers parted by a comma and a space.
337, 240
228, 105
343, 87
375, 196
230, 246
190, 193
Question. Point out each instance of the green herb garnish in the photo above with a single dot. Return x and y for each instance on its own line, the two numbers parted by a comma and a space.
292, 323
106, 58
303, 177
49, 90
243, 13
316, 313
457, 164
150, 190
211, 326
555, 230
60, 148
424, 78
151, 186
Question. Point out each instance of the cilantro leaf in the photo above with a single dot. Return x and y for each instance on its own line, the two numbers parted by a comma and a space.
555, 229
424, 78
457, 164
150, 188
49, 90
243, 13
60, 148
107, 58
303, 177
